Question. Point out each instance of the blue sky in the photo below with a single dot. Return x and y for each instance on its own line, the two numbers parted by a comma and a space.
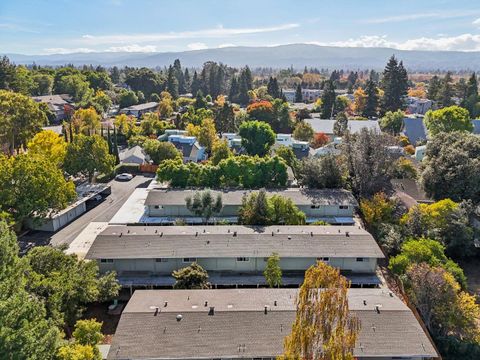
62, 26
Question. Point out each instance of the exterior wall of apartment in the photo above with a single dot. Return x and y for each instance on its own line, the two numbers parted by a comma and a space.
232, 210
252, 265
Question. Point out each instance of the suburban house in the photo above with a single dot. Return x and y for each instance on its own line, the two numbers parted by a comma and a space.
414, 129
301, 149
189, 147
58, 104
134, 155
418, 106
233, 255
308, 95
335, 206
354, 126
140, 109
252, 324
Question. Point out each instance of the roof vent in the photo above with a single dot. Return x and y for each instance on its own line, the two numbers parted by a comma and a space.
179, 317
390, 293
128, 231
156, 231
206, 303
120, 234
347, 234
275, 303
311, 233
377, 308
289, 237
339, 231
161, 234
196, 233
204, 231
228, 231
364, 302
265, 309
234, 233
165, 304
211, 312
273, 233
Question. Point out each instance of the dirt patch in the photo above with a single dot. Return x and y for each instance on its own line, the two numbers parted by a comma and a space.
99, 311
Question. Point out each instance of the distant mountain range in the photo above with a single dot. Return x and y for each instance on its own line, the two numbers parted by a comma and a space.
296, 55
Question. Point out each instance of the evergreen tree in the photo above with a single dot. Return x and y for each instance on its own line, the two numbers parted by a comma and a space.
196, 84
233, 93
298, 94
172, 82
248, 78
225, 119
272, 88
115, 75
472, 86
371, 104
328, 100
471, 102
394, 85
186, 78
446, 91
177, 67
434, 88
243, 88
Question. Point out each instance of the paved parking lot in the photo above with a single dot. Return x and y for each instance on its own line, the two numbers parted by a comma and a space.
103, 212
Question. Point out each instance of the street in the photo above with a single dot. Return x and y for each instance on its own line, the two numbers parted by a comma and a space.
121, 190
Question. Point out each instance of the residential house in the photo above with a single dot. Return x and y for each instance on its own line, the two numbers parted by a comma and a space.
134, 155
414, 129
233, 255
418, 106
253, 323
168, 132
140, 109
59, 105
308, 95
189, 147
335, 206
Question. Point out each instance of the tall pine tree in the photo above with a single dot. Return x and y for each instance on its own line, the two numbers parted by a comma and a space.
394, 85
172, 82
371, 105
298, 94
328, 100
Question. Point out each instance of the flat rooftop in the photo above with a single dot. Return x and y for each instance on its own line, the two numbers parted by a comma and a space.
147, 242
239, 327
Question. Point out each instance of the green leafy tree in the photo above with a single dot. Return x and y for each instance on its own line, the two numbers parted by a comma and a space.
43, 84
50, 145
451, 167
448, 119
303, 131
426, 251
77, 352
31, 185
21, 118
394, 85
446, 92
204, 204
76, 86
127, 98
159, 151
87, 155
320, 172
392, 122
220, 151
191, 277
225, 119
64, 283
340, 127
273, 272
284, 211
257, 137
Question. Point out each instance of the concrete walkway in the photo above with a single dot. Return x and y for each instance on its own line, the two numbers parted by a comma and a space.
82, 243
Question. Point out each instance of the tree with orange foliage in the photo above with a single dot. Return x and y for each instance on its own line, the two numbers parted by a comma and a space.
261, 110
324, 328
418, 91
320, 139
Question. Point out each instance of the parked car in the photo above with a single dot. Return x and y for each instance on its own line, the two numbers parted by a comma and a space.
124, 177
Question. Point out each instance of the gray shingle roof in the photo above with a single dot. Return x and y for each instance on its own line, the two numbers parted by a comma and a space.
326, 125
127, 242
234, 197
240, 328
414, 129
139, 107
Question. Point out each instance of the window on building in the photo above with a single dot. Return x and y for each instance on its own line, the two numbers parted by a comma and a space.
361, 259
324, 259
106, 261
343, 207
161, 260
243, 259
189, 260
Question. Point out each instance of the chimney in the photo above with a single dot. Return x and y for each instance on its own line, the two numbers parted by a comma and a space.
211, 312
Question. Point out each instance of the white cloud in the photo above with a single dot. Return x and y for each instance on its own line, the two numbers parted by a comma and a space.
67, 50
221, 46
463, 42
426, 15
476, 22
218, 32
197, 46
132, 48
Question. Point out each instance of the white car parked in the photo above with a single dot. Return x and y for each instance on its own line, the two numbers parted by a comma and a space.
124, 177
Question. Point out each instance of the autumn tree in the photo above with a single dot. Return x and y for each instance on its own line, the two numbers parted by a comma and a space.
204, 204
320, 139
165, 107
324, 327
220, 151
50, 145
191, 277
360, 101
86, 121
273, 272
